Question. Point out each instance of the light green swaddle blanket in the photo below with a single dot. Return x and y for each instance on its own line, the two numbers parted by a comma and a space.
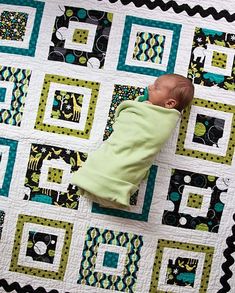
113, 173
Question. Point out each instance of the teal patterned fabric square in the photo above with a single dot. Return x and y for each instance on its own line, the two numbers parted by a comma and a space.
149, 47
110, 259
2, 94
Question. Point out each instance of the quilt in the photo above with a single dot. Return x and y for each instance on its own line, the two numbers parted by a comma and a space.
65, 66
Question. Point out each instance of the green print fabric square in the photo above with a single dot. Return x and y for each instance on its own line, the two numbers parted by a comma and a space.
195, 201
55, 175
219, 59
80, 36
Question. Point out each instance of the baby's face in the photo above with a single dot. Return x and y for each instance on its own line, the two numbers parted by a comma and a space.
160, 90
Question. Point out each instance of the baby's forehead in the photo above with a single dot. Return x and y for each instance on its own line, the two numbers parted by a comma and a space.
166, 79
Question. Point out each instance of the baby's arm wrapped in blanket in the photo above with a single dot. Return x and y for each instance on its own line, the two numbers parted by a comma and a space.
114, 171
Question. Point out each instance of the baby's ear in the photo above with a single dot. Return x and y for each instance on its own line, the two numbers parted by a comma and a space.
171, 103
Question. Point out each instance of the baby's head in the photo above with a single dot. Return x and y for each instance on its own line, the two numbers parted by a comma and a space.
171, 91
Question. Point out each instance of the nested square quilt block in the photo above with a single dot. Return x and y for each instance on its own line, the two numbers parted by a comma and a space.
181, 266
110, 259
19, 26
207, 131
213, 58
14, 84
49, 173
196, 200
67, 106
41, 247
81, 37
149, 46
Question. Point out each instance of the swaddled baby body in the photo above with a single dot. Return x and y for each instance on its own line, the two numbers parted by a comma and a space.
112, 173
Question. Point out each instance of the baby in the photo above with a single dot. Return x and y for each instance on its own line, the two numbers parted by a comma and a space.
112, 173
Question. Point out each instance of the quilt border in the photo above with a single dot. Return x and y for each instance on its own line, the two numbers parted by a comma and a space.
178, 8
28, 288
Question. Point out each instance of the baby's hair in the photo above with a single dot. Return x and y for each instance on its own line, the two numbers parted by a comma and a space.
183, 92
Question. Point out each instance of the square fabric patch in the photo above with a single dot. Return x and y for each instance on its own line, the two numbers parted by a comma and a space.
110, 258
2, 217
81, 37
180, 266
195, 201
197, 204
55, 175
219, 59
212, 58
19, 26
213, 133
8, 149
13, 25
49, 173
67, 106
149, 46
14, 84
41, 247
182, 271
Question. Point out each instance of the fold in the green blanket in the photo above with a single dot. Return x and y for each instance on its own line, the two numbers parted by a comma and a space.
113, 172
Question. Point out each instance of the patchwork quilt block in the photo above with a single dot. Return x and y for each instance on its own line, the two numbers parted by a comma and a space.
80, 37
149, 46
64, 70
212, 58
67, 106
48, 176
20, 22
14, 84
